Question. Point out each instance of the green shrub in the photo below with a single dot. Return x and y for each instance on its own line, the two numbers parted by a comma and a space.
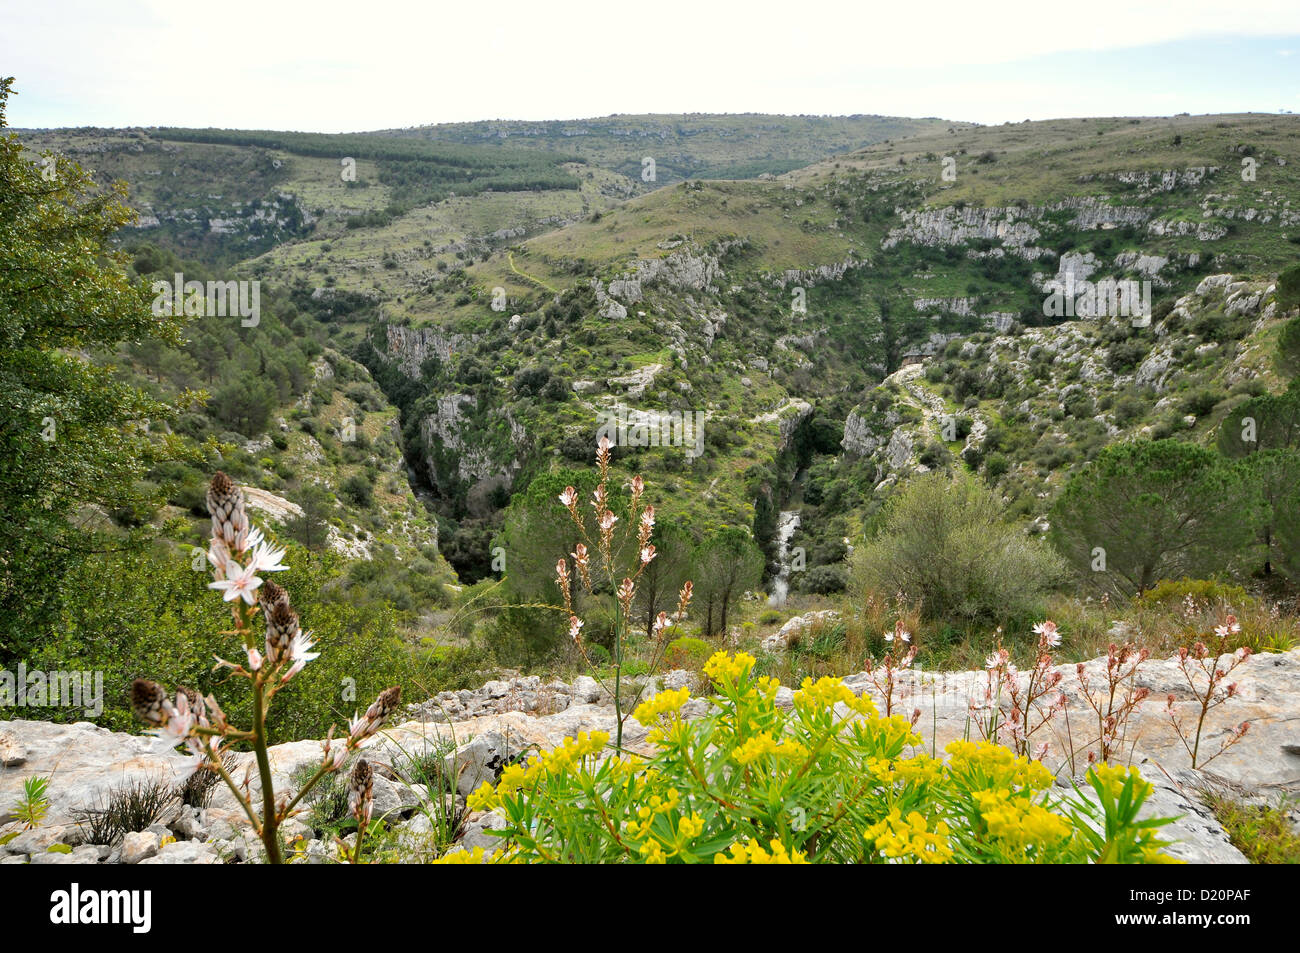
1288, 288
1263, 833
824, 580
944, 543
144, 610
686, 652
1170, 593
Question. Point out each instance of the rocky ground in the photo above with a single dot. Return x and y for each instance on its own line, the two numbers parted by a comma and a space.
477, 732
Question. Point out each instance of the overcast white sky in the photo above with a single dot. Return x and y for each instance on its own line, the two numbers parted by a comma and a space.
370, 64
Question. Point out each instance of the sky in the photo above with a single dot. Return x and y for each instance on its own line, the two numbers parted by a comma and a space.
331, 66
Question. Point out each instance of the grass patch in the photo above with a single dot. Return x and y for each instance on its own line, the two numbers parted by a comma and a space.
1263, 833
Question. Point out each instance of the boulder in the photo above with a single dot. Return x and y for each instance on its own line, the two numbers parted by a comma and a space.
185, 852
140, 845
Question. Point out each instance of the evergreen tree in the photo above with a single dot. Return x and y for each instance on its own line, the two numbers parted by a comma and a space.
1155, 509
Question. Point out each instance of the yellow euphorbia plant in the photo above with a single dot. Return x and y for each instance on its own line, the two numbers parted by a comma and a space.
827, 780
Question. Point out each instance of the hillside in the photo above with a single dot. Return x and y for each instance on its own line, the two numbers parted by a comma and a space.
889, 427
824, 325
687, 146
683, 300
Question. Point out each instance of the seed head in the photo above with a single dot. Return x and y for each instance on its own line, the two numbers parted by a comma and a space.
282, 625
149, 700
383, 706
361, 798
229, 518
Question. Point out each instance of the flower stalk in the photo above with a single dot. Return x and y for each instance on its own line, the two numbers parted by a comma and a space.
641, 520
238, 552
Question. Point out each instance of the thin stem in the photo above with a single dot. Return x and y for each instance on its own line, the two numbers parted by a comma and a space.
234, 789
302, 792
618, 676
269, 825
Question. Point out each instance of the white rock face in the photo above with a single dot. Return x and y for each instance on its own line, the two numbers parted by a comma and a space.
185, 852
494, 728
411, 347
12, 754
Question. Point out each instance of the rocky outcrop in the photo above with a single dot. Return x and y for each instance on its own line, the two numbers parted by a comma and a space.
794, 629
807, 277
280, 510
411, 347
1011, 226
865, 432
475, 733
787, 418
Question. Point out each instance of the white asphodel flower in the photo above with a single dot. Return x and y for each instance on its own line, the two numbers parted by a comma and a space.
180, 719
300, 654
267, 558
223, 564
243, 585
661, 623
1047, 631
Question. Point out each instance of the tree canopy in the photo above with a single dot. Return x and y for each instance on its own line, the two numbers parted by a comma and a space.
77, 439
1151, 510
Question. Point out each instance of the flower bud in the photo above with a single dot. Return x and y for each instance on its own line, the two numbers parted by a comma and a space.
229, 518
361, 800
149, 701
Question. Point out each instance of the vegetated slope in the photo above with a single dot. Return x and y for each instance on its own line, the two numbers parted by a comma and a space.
740, 146
684, 300
223, 194
503, 323
342, 250
300, 424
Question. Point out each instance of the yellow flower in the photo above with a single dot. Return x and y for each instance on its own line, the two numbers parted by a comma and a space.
921, 769
727, 668
994, 765
475, 856
484, 798
764, 744
513, 777
1020, 822
1113, 778
910, 838
690, 827
752, 852
661, 704
1152, 854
